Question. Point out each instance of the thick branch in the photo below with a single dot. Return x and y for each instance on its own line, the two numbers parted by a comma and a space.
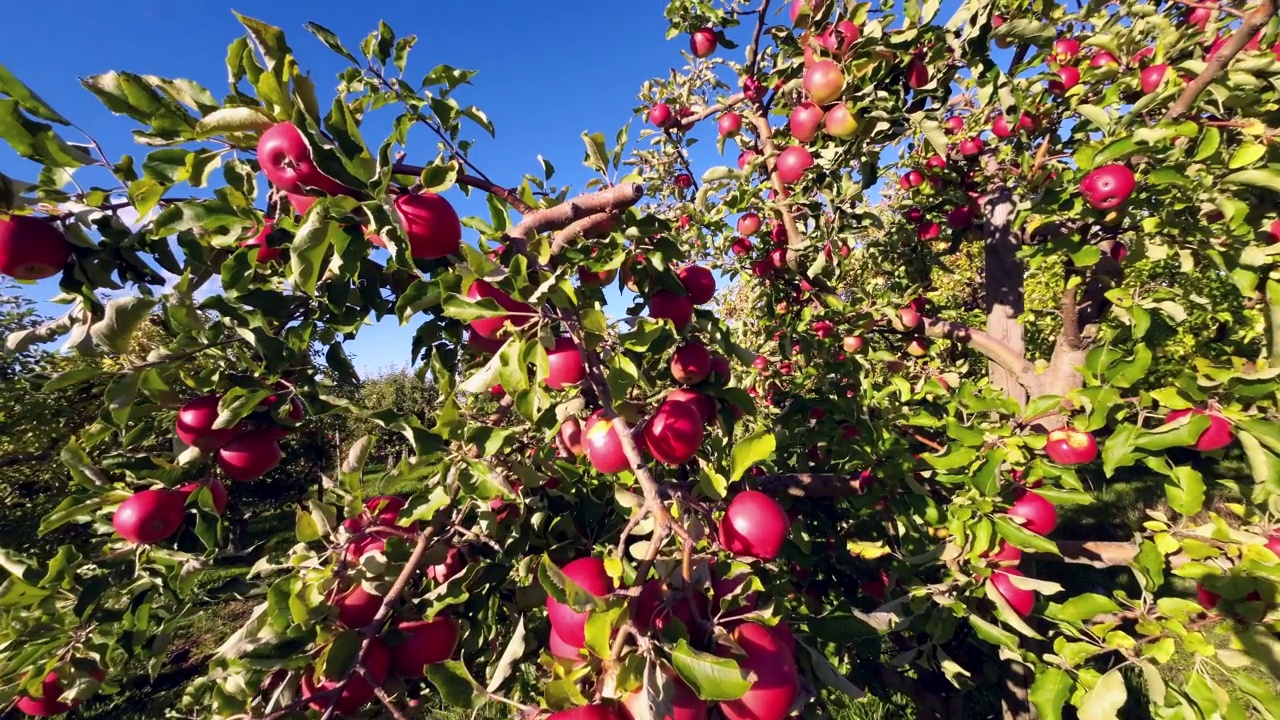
478, 183
1022, 369
760, 120
588, 227
1070, 315
610, 200
1253, 22
706, 112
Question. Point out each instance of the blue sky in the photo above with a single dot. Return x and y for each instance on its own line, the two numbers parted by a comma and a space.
547, 72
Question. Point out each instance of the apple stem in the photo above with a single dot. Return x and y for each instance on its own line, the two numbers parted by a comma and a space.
1253, 22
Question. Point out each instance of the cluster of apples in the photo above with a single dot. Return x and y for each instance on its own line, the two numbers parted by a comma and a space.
911, 320
959, 217
1039, 516
32, 248
50, 703
430, 222
150, 516
409, 645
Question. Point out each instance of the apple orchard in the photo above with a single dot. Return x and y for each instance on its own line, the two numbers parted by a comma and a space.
955, 277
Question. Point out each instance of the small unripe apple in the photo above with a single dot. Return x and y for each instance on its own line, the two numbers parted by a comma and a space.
1108, 187
729, 124
824, 81
792, 164
1215, 437
1070, 447
703, 42
804, 122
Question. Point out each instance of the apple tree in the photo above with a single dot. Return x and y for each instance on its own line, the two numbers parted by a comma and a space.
926, 302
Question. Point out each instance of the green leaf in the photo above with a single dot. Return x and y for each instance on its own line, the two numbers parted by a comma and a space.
1050, 691
1264, 465
460, 308
1210, 139
455, 684
1247, 154
1023, 538
71, 377
600, 630
123, 316
993, 633
1186, 490
232, 120
751, 450
1115, 150
330, 40
308, 250
711, 677
307, 529
562, 589
597, 152
514, 651
14, 592
37, 141
28, 100
1106, 698
74, 509
1095, 115
986, 479
1083, 607
1266, 178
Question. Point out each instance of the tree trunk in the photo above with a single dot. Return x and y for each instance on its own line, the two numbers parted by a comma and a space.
1004, 277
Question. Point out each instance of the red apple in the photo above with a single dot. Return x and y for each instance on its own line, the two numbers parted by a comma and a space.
909, 317
720, 371
571, 435
430, 223
564, 364
762, 269
660, 115
929, 230
265, 253
589, 574
740, 247
839, 38
1273, 543
385, 510
936, 162
852, 343
971, 147
31, 248
300, 203
812, 6
745, 157
249, 456
1217, 436
1064, 51
954, 124
1069, 447
1143, 56
359, 687
917, 73
792, 164
824, 81
194, 425
217, 490
703, 42
667, 305
778, 234
1208, 599
1273, 231
1068, 77
285, 157
691, 363
49, 703
1022, 601
698, 282
357, 608
595, 278
752, 89
754, 525
684, 181
1040, 516
749, 224
149, 516
685, 704
960, 218
729, 124
1108, 187
917, 347
490, 327
454, 562
912, 179
777, 679
1199, 17
603, 446
597, 711
1005, 554
1152, 77
674, 433
704, 405
805, 120
778, 258
1102, 58
426, 642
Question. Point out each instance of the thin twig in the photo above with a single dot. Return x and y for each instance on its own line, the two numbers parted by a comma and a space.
1253, 22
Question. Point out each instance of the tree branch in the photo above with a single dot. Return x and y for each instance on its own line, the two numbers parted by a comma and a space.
610, 200
588, 227
1022, 369
753, 50
706, 112
1254, 21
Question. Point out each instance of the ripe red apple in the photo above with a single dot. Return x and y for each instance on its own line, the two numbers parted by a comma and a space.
1069, 447
1005, 554
839, 38
912, 179
216, 489
778, 234
824, 81
1022, 601
703, 42
1153, 76
684, 181
667, 305
595, 278
840, 122
936, 162
685, 704
1040, 516
971, 147
285, 157
1273, 231
454, 562
752, 89
1068, 77
913, 214
909, 317
492, 326
660, 115
1199, 17
691, 363
1064, 50
954, 124
740, 247
792, 164
754, 525
1217, 436
777, 678
917, 347
1143, 56
149, 516
365, 543
249, 456
917, 73
960, 218
603, 446
564, 364
426, 642
300, 203
749, 224
360, 686
929, 230
430, 223
778, 258
597, 711
1273, 543
744, 157
698, 282
729, 124
589, 574
674, 432
266, 253
852, 343
762, 269
805, 120
49, 703
571, 435
1208, 599
1108, 187
31, 248
1102, 58
194, 425
357, 608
